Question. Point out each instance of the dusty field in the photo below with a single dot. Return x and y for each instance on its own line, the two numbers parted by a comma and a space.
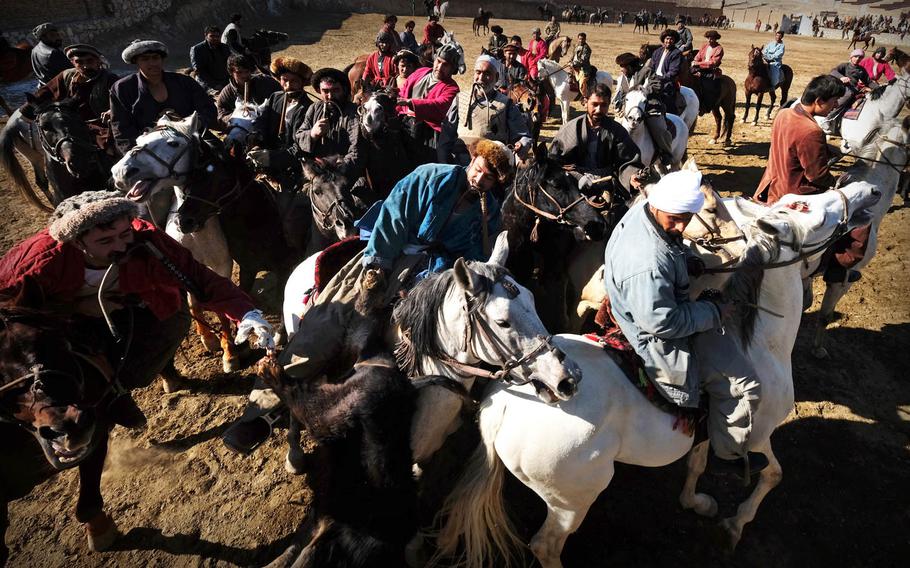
182, 499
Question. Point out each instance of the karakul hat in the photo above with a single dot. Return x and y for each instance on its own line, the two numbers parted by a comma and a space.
496, 29
496, 156
678, 192
291, 65
79, 213
141, 46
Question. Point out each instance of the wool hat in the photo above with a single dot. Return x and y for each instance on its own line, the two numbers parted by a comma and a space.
81, 49
496, 29
449, 54
291, 65
407, 55
496, 155
79, 213
668, 32
677, 192
332, 74
141, 46
858, 52
44, 28
712, 34
627, 59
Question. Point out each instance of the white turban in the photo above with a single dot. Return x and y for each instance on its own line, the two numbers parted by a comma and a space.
678, 192
494, 63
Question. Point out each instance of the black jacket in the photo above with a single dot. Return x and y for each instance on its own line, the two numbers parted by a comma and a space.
210, 64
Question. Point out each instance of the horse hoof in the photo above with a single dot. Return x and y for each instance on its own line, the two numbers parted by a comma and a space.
230, 364
712, 141
170, 385
101, 532
755, 122
820, 353
294, 466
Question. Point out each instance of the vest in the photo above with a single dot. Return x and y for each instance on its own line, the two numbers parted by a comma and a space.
486, 121
99, 99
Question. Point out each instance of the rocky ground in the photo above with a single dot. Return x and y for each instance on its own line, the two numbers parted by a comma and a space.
182, 499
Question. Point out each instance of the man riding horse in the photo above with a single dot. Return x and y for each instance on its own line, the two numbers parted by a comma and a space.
497, 42
581, 64
246, 84
87, 85
682, 343
706, 67
129, 280
482, 112
684, 44
515, 73
380, 70
552, 30
658, 78
856, 81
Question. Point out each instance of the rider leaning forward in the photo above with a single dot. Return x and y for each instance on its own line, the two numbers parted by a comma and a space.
681, 342
95, 242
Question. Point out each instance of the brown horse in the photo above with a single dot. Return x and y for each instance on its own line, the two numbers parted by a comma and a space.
726, 99
15, 65
558, 47
758, 82
482, 21
866, 38
528, 99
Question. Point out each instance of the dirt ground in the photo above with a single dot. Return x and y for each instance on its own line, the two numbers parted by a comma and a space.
181, 499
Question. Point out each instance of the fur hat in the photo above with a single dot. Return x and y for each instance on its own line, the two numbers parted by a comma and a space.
510, 47
496, 29
496, 156
44, 28
386, 37
712, 34
79, 213
81, 49
668, 32
291, 65
140, 46
332, 74
626, 59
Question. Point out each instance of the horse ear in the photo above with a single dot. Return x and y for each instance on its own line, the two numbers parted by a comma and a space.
500, 253
465, 277
30, 294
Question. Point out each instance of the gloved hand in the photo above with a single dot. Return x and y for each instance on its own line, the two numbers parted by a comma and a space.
716, 297
585, 181
254, 322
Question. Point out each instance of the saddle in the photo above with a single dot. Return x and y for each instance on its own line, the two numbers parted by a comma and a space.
330, 261
852, 112
617, 346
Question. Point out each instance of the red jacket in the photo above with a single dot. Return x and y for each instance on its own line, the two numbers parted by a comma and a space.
375, 76
59, 268
433, 32
435, 106
705, 62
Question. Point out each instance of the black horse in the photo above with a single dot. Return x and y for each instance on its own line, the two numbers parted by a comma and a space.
260, 46
53, 398
335, 200
548, 219
74, 161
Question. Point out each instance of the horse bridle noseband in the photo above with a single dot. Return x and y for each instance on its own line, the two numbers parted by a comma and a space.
172, 164
53, 151
502, 351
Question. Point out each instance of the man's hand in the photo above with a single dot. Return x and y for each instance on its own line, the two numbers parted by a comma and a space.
406, 102
318, 130
253, 322
845, 80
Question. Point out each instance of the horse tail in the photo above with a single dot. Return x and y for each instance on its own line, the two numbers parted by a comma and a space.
475, 511
11, 164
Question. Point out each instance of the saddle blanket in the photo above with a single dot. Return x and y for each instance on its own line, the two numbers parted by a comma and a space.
852, 113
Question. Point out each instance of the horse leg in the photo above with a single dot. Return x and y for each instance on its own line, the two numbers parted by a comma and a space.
230, 361
562, 520
716, 112
701, 503
773, 98
748, 104
566, 106
729, 119
834, 291
295, 460
769, 478
210, 342
758, 102
100, 529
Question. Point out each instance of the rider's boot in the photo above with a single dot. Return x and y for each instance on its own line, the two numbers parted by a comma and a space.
747, 466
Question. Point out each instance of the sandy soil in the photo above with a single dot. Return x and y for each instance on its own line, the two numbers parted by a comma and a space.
182, 499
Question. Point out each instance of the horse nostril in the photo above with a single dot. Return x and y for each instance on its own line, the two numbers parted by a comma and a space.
567, 386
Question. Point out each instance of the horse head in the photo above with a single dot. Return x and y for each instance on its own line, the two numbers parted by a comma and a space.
240, 123
378, 113
552, 194
647, 50
162, 157
335, 207
46, 386
756, 60
66, 139
633, 112
216, 179
477, 314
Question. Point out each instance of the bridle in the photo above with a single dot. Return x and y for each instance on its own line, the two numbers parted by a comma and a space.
479, 327
324, 217
560, 216
171, 164
53, 150
884, 159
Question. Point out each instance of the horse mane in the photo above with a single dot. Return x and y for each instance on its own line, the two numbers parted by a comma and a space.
744, 285
417, 315
877, 92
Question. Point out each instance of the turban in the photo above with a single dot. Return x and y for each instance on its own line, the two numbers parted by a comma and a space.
677, 193
76, 215
494, 63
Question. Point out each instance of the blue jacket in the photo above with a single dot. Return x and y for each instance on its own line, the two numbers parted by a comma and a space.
133, 109
648, 285
420, 211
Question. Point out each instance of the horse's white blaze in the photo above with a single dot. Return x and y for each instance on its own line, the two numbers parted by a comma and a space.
165, 143
565, 453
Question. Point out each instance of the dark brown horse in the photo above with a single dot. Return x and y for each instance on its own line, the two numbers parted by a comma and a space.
15, 65
758, 82
867, 40
482, 21
52, 416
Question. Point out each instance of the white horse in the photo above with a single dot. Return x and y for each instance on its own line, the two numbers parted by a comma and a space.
453, 324
566, 452
441, 10
875, 113
633, 120
240, 123
559, 78
891, 155
162, 159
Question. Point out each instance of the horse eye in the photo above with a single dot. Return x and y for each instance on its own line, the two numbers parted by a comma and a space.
711, 210
317, 192
503, 324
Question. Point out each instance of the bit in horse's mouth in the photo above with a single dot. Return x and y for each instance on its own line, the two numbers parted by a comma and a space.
139, 190
550, 397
